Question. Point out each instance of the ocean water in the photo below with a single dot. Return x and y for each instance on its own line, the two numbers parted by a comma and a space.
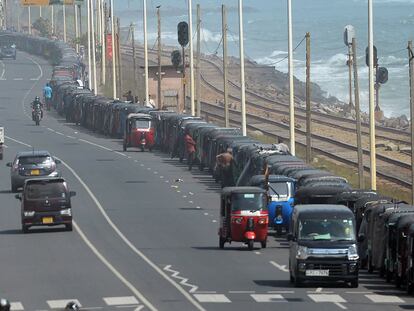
265, 34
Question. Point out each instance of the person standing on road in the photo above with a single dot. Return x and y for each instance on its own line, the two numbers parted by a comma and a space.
128, 96
224, 162
150, 103
190, 146
47, 93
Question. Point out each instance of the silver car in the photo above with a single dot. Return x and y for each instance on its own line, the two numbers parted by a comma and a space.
29, 165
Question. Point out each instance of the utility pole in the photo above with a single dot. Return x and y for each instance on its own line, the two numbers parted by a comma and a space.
134, 61
30, 19
308, 103
198, 65
242, 83
159, 58
89, 43
350, 76
190, 41
373, 164
145, 50
118, 54
225, 77
103, 39
40, 11
76, 27
52, 18
410, 61
291, 85
184, 82
113, 51
64, 22
95, 85
361, 182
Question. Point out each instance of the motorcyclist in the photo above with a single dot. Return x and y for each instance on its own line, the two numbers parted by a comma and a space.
47, 93
36, 105
4, 305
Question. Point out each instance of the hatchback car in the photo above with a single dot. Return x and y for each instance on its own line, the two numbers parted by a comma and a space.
31, 164
46, 202
8, 51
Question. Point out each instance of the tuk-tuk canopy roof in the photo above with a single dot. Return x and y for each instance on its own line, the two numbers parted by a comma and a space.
322, 210
139, 116
230, 190
405, 220
257, 180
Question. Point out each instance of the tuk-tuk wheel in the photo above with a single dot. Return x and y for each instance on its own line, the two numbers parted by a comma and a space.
370, 266
69, 227
124, 147
264, 244
25, 229
409, 287
354, 283
278, 230
398, 281
221, 242
250, 244
388, 276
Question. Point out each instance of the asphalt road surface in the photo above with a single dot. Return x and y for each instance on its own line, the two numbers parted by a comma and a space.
141, 240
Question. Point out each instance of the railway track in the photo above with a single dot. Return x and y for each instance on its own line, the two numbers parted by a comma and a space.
390, 169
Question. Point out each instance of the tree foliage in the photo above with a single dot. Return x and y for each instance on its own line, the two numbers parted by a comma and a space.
43, 26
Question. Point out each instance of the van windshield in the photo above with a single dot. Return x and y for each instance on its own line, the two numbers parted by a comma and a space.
47, 190
248, 202
327, 229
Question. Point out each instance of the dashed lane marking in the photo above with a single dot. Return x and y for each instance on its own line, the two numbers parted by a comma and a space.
241, 292
268, 298
93, 144
257, 253
18, 79
59, 133
335, 299
16, 306
49, 129
281, 292
212, 298
384, 299
61, 303
126, 300
18, 141
68, 136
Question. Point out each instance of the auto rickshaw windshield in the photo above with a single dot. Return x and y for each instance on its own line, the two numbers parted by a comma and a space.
47, 190
248, 202
279, 189
141, 123
327, 229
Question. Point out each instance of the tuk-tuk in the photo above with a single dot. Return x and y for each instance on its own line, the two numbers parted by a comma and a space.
138, 132
281, 192
403, 226
243, 216
1, 142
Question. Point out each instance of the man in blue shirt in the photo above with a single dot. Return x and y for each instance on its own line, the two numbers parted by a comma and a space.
47, 93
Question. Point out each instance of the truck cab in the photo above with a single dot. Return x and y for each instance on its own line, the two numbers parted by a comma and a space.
323, 245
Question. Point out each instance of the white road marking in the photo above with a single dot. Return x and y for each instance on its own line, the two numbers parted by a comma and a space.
131, 287
161, 177
359, 293
205, 214
148, 168
120, 153
30, 90
214, 220
176, 274
38, 66
93, 144
3, 70
191, 202
139, 308
326, 298
68, 136
384, 299
127, 300
59, 133
198, 207
268, 298
18, 141
206, 292
61, 303
241, 292
18, 79
318, 290
214, 298
49, 129
16, 306
281, 292
133, 248
34, 79
135, 160
129, 157
280, 267
340, 305
5, 146
257, 253
184, 196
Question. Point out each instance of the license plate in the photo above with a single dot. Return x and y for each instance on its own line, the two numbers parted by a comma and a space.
47, 220
35, 172
317, 272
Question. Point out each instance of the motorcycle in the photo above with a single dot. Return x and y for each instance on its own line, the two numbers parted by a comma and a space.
37, 115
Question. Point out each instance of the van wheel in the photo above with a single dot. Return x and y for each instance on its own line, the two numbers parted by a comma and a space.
25, 229
354, 283
221, 242
69, 227
250, 244
13, 188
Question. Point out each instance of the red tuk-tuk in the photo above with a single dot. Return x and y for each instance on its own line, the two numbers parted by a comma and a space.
139, 132
243, 216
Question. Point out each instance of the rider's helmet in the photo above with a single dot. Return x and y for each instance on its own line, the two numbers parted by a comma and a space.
37, 99
4, 305
72, 306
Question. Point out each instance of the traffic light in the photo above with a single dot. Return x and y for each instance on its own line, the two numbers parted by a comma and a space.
382, 75
176, 58
367, 56
182, 29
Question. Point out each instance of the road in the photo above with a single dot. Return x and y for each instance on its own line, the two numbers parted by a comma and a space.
142, 240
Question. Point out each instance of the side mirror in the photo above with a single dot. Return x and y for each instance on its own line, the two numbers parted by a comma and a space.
361, 238
290, 237
9, 164
58, 161
18, 196
72, 193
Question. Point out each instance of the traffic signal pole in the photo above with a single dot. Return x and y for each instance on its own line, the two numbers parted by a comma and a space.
144, 11
190, 40
198, 65
242, 82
